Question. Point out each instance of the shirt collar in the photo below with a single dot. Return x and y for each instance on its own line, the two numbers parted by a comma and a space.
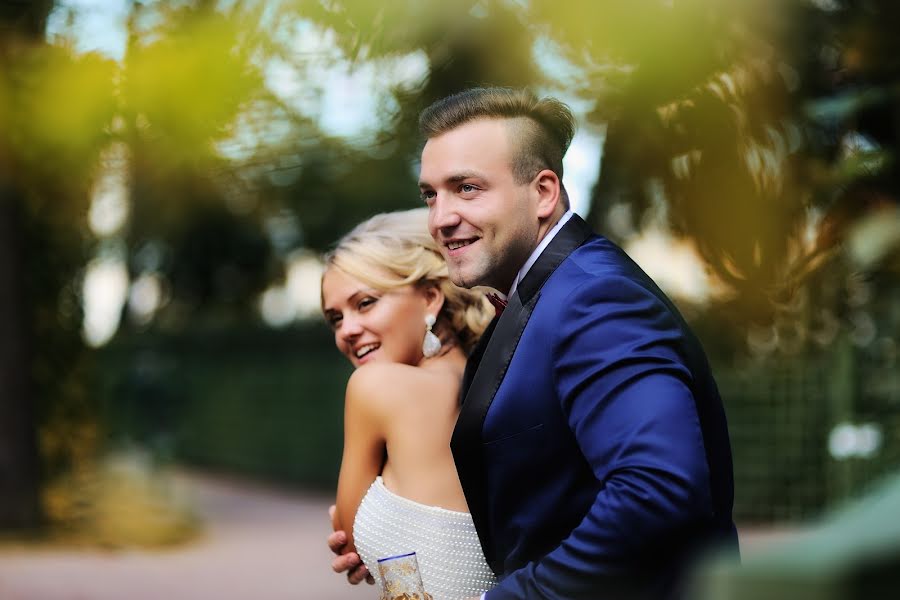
537, 252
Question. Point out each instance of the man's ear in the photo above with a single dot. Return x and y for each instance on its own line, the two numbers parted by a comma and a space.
548, 189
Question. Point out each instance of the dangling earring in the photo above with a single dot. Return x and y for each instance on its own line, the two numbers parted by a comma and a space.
431, 345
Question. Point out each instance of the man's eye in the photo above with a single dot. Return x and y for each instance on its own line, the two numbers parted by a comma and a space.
427, 196
467, 188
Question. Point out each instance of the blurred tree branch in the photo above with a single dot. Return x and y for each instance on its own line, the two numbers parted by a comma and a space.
766, 129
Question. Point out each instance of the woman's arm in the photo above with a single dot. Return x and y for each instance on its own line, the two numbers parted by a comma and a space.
364, 446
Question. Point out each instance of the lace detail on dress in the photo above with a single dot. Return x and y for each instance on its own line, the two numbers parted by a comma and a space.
445, 542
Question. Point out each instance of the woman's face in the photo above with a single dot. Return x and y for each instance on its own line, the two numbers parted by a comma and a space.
374, 325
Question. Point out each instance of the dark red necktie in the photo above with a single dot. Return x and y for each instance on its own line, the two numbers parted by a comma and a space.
498, 302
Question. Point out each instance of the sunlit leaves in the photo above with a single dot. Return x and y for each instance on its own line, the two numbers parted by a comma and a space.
711, 109
55, 109
670, 46
185, 86
467, 42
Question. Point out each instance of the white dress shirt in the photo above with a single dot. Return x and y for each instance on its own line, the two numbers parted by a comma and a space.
537, 253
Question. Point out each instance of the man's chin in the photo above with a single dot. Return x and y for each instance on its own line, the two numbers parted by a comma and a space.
464, 275
460, 279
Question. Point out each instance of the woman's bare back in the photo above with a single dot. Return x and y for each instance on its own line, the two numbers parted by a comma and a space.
424, 405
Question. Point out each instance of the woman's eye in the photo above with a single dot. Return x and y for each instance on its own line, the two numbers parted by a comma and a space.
366, 302
334, 321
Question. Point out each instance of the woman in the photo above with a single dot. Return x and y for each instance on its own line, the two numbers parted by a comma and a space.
407, 329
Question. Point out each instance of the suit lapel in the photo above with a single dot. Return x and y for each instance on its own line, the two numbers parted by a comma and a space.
485, 372
475, 359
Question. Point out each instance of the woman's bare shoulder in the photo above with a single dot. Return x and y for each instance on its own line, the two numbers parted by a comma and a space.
375, 375
386, 384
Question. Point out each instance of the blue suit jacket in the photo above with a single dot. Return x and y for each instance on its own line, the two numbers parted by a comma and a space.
592, 444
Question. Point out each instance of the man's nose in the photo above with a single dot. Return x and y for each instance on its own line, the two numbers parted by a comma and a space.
443, 213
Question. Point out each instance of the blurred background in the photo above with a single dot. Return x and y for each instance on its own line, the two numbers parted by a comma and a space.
171, 171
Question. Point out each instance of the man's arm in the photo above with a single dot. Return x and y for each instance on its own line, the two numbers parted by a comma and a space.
346, 562
623, 383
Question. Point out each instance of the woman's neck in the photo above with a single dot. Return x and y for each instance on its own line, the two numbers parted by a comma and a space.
450, 356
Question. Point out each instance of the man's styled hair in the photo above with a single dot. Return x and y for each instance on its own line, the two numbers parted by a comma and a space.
542, 129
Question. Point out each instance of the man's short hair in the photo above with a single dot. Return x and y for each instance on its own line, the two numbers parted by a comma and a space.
540, 140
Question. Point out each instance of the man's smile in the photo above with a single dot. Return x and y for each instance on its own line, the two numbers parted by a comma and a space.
453, 246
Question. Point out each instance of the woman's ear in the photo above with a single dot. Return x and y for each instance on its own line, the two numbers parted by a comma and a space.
434, 299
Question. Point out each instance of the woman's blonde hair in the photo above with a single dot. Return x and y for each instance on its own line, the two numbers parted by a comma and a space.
391, 250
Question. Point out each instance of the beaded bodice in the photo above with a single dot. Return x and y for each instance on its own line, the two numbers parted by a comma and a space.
445, 542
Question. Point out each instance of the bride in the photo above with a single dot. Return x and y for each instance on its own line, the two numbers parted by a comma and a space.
407, 329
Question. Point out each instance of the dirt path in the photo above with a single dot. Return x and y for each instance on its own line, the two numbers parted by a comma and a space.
259, 544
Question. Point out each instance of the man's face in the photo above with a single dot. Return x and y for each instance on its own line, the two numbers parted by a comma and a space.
485, 223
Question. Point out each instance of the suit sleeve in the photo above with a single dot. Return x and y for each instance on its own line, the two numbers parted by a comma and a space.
622, 380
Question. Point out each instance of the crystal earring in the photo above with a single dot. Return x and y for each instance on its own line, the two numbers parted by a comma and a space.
431, 345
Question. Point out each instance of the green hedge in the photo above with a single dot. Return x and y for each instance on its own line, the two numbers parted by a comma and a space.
263, 402
269, 403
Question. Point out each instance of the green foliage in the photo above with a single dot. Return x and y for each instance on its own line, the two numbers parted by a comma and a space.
262, 402
186, 80
744, 120
337, 184
54, 111
281, 419
853, 553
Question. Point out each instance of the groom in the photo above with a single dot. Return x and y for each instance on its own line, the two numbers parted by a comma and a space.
591, 443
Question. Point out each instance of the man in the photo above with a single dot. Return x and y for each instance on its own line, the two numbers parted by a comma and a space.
591, 443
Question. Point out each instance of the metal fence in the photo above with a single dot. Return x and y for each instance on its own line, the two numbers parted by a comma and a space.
808, 433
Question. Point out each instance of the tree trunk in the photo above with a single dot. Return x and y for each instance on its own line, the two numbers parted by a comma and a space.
19, 479
22, 23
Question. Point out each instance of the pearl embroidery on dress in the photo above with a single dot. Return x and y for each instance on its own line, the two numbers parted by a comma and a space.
445, 542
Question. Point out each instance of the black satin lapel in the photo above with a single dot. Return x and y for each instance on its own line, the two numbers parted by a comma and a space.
466, 441
485, 372
475, 359
572, 235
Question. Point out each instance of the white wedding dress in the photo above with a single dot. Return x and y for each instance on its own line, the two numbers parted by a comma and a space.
445, 542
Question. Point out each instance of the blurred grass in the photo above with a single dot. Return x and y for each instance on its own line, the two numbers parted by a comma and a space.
256, 401
122, 501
